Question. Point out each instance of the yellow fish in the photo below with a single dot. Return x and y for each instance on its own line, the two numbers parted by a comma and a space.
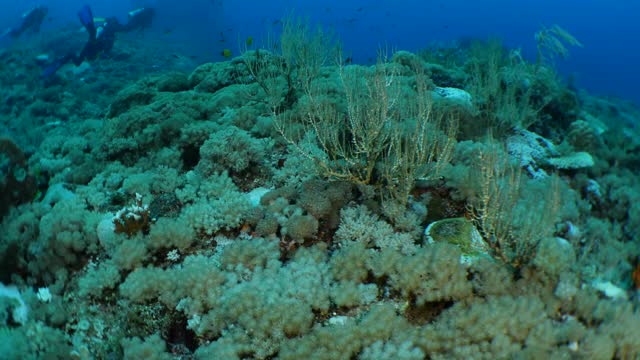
226, 53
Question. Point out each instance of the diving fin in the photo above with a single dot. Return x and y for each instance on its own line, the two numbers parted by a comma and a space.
6, 32
134, 13
51, 69
86, 18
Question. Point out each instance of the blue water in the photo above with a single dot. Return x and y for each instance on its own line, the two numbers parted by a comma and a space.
607, 65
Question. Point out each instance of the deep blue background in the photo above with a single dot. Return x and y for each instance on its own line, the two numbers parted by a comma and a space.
607, 65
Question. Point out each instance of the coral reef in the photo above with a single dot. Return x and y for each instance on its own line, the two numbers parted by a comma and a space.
207, 212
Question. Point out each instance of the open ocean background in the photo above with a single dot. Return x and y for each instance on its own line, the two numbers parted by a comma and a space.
607, 65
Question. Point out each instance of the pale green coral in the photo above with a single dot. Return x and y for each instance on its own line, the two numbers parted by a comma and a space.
360, 225
232, 149
433, 273
152, 348
217, 203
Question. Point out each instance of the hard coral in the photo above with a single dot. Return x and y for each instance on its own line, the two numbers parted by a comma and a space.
133, 219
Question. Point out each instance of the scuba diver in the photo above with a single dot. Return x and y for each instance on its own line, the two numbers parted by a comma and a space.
31, 20
102, 36
139, 19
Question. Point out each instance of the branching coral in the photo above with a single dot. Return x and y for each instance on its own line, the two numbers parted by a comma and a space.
553, 41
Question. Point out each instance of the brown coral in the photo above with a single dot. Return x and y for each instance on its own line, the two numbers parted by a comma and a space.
635, 276
583, 136
133, 219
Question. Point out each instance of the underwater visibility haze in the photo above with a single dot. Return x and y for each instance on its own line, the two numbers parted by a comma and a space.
319, 180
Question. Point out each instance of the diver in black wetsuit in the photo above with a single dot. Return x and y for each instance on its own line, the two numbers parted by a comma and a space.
31, 20
101, 37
